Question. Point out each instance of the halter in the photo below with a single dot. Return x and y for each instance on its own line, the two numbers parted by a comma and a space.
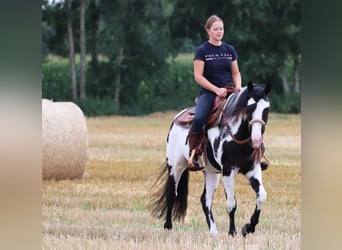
250, 123
258, 153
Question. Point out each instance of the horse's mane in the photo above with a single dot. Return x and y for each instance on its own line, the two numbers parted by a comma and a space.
237, 106
237, 102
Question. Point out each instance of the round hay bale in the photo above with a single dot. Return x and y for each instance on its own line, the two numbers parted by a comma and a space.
65, 141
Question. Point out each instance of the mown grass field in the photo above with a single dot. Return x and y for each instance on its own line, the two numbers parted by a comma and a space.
108, 209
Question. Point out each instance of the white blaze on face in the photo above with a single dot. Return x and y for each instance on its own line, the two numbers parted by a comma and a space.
256, 125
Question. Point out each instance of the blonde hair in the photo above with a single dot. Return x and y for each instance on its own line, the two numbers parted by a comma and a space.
212, 19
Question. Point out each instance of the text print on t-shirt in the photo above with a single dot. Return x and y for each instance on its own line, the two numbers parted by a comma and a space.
218, 56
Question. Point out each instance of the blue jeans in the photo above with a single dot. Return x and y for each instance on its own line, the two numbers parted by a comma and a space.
204, 106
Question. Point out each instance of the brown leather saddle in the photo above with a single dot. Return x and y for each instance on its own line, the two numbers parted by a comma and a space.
186, 117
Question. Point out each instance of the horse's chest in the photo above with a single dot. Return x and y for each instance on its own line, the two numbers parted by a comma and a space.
230, 154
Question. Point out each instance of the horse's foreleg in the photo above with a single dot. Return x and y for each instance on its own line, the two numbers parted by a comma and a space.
211, 184
256, 182
228, 182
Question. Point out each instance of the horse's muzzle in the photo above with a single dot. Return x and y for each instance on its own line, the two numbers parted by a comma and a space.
256, 142
256, 135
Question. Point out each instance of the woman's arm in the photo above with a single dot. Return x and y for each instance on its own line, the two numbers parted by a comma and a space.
203, 82
236, 75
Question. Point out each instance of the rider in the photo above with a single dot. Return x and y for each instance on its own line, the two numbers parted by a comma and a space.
215, 67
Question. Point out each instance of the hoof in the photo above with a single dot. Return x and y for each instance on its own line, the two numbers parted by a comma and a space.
247, 229
167, 226
244, 230
214, 233
232, 233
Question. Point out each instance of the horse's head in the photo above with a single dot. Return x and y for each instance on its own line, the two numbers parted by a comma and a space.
257, 110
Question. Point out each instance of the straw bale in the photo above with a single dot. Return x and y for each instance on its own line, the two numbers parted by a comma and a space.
64, 141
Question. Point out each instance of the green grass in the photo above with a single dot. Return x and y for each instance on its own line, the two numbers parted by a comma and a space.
108, 209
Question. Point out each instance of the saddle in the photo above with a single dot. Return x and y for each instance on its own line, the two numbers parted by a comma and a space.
186, 117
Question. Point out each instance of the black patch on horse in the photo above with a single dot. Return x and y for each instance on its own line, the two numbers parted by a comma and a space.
211, 158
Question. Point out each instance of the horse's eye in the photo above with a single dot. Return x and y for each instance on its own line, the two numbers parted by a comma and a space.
251, 107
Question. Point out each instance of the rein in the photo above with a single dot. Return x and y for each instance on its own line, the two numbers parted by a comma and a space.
258, 153
251, 122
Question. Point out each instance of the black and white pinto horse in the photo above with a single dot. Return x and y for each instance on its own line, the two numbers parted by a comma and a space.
234, 145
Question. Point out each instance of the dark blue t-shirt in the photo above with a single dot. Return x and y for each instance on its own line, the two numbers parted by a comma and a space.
217, 62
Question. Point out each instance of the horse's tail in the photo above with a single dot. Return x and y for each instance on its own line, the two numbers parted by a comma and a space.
164, 196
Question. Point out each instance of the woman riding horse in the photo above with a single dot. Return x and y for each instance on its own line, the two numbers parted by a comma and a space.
234, 145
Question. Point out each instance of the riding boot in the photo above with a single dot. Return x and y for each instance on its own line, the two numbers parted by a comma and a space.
193, 139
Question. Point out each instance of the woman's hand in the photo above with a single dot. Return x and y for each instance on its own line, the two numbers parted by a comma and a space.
221, 92
237, 88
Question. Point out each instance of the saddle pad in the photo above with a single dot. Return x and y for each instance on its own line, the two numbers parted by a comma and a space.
186, 117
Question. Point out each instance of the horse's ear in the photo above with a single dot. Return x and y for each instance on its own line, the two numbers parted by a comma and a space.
250, 86
268, 88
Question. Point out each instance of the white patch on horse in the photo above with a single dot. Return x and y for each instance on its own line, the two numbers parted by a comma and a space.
229, 187
251, 101
215, 133
211, 184
256, 134
262, 194
177, 152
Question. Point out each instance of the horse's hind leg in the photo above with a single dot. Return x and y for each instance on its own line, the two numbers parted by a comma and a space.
255, 179
170, 200
211, 184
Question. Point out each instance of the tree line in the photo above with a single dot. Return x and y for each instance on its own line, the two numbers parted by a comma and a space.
127, 47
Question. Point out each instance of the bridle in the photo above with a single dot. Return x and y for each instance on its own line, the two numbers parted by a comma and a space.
250, 123
258, 153
256, 120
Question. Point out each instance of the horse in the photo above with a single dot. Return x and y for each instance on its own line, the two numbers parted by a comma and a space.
234, 145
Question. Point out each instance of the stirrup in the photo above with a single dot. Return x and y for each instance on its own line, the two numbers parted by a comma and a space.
196, 166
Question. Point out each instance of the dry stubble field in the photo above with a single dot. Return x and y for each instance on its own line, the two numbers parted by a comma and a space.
107, 210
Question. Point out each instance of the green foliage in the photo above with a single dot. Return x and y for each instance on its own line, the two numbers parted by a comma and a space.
95, 106
137, 45
54, 29
175, 89
138, 37
286, 103
100, 82
56, 79
265, 33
